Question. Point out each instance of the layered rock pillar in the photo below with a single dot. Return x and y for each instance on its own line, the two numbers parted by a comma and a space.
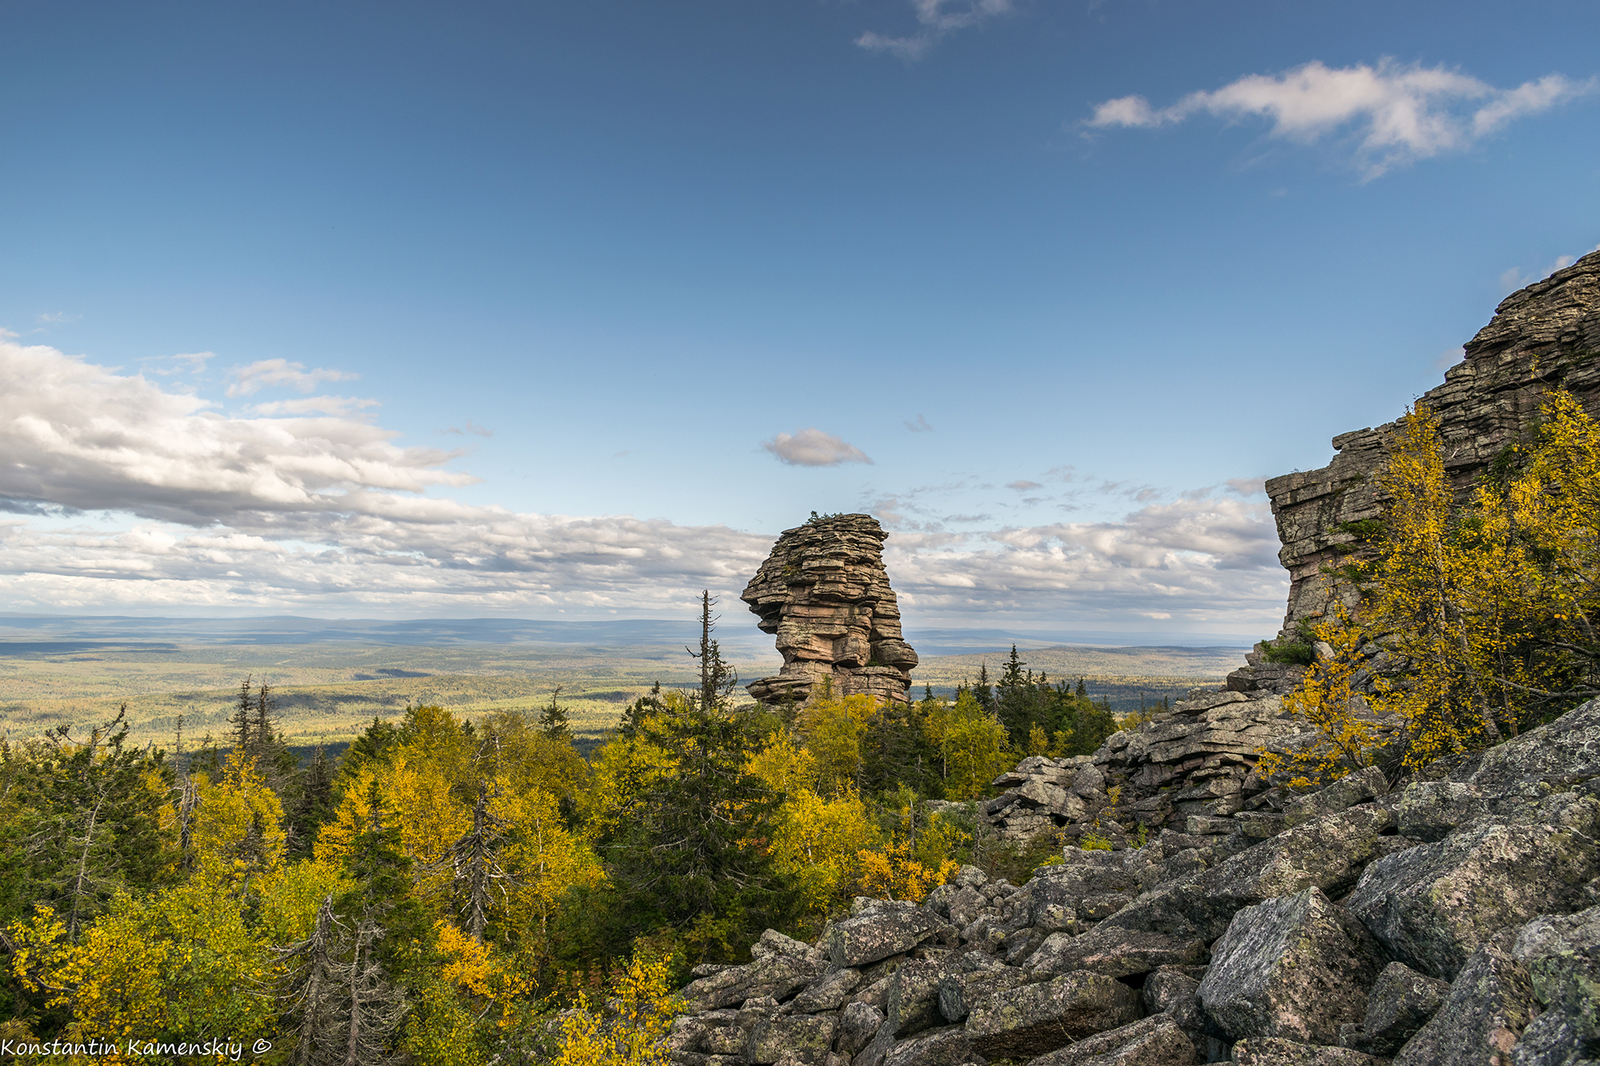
825, 594
1541, 337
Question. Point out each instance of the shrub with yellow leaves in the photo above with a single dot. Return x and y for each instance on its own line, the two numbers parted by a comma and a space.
630, 1027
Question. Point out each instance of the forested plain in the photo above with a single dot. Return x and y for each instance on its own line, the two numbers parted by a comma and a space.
456, 889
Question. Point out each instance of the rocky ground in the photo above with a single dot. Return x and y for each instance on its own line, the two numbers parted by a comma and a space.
1452, 920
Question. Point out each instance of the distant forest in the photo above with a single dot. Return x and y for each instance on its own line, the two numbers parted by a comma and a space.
444, 888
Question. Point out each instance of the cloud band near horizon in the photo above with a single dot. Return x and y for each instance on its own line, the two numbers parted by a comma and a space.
119, 494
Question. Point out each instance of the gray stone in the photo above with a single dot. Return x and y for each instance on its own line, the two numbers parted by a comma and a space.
858, 1022
1276, 1051
876, 936
1488, 1007
1555, 1038
1154, 1041
1401, 1002
1296, 967
958, 992
1358, 787
1432, 905
808, 1037
1429, 810
1562, 955
726, 1040
1166, 989
778, 976
941, 1047
970, 877
914, 995
965, 905
828, 993
1328, 853
1104, 905
1032, 1019
876, 993
1114, 951
1564, 751
773, 942
876, 1048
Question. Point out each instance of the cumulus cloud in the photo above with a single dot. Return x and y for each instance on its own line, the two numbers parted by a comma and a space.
116, 493
1197, 561
1024, 486
935, 19
813, 447
292, 513
281, 372
1395, 113
79, 435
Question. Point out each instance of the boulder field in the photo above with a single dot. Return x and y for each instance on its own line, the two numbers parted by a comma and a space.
1452, 920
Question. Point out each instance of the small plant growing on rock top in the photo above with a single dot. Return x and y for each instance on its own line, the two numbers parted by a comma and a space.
1092, 841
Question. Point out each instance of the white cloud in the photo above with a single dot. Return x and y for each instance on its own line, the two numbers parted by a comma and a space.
919, 426
813, 447
297, 513
936, 18
1200, 562
338, 406
182, 363
1515, 278
81, 436
1024, 486
327, 514
269, 372
1395, 113
471, 427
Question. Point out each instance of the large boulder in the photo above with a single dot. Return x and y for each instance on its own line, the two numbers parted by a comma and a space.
1560, 753
940, 1047
1277, 1051
914, 994
1401, 1002
778, 976
1482, 1018
1115, 952
1296, 967
877, 934
1562, 955
1032, 1019
807, 1037
1432, 905
1153, 1041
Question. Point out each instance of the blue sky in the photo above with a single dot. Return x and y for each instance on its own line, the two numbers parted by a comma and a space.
567, 309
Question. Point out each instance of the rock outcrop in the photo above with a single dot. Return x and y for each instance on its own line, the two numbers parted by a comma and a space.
825, 593
1327, 938
1543, 336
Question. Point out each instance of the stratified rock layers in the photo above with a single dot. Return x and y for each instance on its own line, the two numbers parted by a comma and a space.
1543, 336
825, 593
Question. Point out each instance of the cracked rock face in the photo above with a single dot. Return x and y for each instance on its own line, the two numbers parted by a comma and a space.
1541, 336
825, 594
